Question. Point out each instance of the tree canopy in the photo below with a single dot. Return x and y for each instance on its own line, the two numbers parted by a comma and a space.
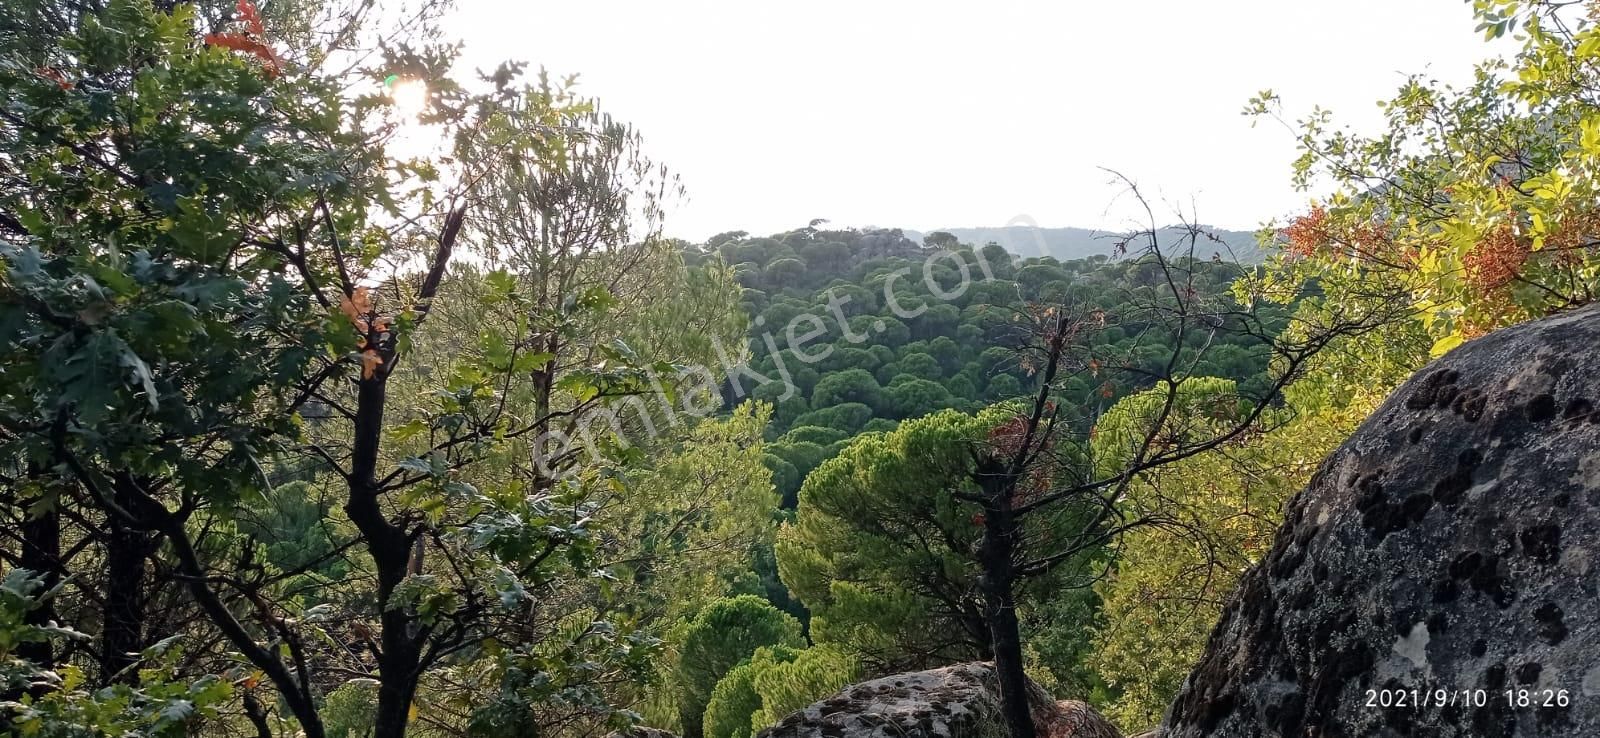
301, 435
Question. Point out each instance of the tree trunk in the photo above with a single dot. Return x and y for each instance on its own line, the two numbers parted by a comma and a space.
543, 381
996, 553
390, 547
123, 616
1008, 666
41, 554
397, 683
977, 626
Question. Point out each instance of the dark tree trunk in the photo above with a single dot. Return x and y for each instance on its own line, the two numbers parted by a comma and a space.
390, 547
996, 554
397, 685
389, 543
123, 616
257, 715
976, 624
1008, 666
41, 554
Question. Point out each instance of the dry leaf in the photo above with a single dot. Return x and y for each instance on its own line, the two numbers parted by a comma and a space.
370, 360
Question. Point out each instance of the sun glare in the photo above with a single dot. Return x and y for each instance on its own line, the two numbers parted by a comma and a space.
409, 96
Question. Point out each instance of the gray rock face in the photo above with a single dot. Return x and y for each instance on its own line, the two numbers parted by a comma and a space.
1449, 551
959, 701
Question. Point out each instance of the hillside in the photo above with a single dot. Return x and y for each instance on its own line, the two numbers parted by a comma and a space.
895, 350
354, 387
1081, 243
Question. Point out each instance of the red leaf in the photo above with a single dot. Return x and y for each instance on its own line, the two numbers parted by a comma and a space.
54, 75
251, 17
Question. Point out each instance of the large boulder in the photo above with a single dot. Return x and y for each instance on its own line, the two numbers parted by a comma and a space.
1445, 554
959, 701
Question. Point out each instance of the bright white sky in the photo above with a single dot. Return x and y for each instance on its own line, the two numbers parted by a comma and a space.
924, 115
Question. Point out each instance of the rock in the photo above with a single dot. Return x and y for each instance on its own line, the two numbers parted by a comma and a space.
959, 701
1445, 554
1074, 719
642, 732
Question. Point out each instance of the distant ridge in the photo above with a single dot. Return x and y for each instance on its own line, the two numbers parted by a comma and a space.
1079, 243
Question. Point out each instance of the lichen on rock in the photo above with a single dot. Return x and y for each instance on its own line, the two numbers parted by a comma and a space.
1441, 556
959, 701
642, 732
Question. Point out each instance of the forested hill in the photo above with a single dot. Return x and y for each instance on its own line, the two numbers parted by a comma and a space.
915, 328
332, 410
1081, 243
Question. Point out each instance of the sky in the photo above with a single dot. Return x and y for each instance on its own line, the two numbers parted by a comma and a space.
926, 115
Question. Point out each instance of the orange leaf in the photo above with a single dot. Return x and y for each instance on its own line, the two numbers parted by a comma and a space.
349, 309
241, 42
370, 360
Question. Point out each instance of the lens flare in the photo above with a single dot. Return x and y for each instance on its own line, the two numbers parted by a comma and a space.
409, 96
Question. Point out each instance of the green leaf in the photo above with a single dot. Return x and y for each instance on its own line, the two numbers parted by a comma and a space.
412, 463
582, 385
502, 284
1446, 344
412, 429
177, 711
92, 375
